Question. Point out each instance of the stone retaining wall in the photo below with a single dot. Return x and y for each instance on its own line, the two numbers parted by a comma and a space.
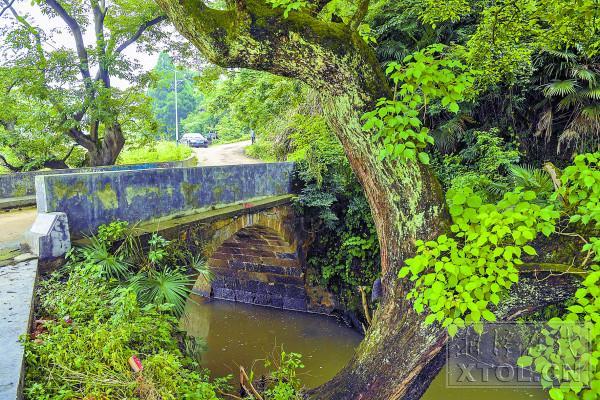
22, 184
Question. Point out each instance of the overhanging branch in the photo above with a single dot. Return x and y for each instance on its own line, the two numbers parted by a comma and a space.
8, 6
8, 165
139, 33
361, 12
82, 54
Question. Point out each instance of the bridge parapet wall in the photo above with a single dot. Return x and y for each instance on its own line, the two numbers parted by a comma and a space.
22, 184
92, 199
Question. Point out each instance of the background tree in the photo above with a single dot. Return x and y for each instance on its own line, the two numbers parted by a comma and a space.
162, 92
75, 80
325, 46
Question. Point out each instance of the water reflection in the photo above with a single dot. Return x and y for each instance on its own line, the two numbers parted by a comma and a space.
239, 334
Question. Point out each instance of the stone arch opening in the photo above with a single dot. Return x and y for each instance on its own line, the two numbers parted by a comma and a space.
258, 265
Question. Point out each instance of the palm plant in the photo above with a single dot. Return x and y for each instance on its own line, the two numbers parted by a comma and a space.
199, 265
167, 286
528, 178
96, 253
571, 86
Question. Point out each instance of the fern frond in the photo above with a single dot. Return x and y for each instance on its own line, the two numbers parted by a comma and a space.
562, 54
530, 178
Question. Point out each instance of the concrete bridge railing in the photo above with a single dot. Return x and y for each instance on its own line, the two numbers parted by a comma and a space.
85, 201
18, 188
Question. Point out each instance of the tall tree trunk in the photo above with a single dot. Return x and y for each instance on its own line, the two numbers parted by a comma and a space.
399, 354
107, 151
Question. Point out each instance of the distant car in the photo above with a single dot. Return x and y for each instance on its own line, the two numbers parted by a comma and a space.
194, 140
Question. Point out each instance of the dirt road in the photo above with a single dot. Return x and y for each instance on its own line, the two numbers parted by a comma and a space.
225, 154
14, 223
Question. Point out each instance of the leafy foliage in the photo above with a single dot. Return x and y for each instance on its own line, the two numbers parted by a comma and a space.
72, 84
484, 164
235, 101
422, 78
288, 5
161, 275
285, 374
568, 357
461, 277
162, 92
458, 277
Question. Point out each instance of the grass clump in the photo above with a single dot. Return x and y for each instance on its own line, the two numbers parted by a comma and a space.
161, 151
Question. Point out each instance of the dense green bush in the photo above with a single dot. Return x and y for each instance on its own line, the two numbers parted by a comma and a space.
92, 326
483, 162
460, 277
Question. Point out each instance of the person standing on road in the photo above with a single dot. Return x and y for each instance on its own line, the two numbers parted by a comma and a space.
252, 135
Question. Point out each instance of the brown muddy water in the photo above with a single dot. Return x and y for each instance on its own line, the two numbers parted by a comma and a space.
242, 334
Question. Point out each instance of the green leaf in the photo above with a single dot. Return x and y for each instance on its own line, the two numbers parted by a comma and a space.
474, 201
524, 361
458, 199
529, 250
424, 157
488, 315
556, 394
452, 330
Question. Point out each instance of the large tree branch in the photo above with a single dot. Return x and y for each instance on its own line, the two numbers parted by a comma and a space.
82, 139
8, 165
328, 56
84, 66
99, 11
361, 12
146, 25
6, 7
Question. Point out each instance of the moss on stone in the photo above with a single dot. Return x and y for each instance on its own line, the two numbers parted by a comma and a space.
108, 197
131, 192
20, 190
65, 191
217, 193
190, 192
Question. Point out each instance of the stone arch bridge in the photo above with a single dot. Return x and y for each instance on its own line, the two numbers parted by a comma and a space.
240, 218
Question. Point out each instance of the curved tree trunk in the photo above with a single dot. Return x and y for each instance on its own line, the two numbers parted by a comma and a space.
399, 356
106, 151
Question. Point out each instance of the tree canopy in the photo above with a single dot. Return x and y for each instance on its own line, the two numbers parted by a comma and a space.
73, 81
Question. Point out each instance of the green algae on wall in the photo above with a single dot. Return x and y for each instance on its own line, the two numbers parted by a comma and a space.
108, 197
217, 193
132, 192
20, 190
190, 193
63, 191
